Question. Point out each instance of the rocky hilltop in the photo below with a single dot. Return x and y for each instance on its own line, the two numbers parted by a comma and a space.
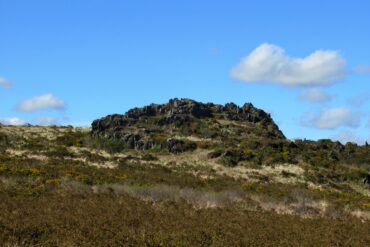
165, 124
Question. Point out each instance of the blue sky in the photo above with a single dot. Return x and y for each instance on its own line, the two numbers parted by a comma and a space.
72, 61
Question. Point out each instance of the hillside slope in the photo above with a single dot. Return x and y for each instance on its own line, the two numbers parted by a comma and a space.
181, 174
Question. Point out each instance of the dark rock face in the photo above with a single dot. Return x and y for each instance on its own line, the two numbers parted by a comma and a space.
137, 127
367, 180
214, 154
137, 141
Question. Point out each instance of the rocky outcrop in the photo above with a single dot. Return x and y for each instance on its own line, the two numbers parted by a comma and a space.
138, 127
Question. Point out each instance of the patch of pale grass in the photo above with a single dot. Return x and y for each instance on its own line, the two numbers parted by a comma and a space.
78, 151
198, 159
106, 164
25, 153
161, 192
47, 132
300, 205
196, 139
15, 152
363, 215
361, 189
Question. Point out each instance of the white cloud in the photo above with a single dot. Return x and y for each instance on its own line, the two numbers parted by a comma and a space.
46, 101
12, 121
349, 136
46, 121
315, 95
333, 118
363, 69
269, 63
5, 82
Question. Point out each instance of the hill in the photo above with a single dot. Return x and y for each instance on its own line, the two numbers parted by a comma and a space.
158, 125
238, 133
183, 173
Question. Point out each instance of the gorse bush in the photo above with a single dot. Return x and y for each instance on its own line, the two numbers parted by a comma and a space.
99, 143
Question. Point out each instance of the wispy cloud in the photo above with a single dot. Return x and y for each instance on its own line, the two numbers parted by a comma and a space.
46, 121
333, 118
269, 63
12, 121
359, 100
314, 95
85, 123
46, 101
5, 82
363, 69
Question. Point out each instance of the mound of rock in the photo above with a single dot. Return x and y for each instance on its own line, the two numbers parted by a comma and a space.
157, 124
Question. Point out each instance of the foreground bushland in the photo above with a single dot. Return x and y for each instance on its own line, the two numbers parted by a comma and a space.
111, 220
61, 186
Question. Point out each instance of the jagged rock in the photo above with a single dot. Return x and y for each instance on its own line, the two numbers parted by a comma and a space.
100, 125
181, 111
137, 127
176, 120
